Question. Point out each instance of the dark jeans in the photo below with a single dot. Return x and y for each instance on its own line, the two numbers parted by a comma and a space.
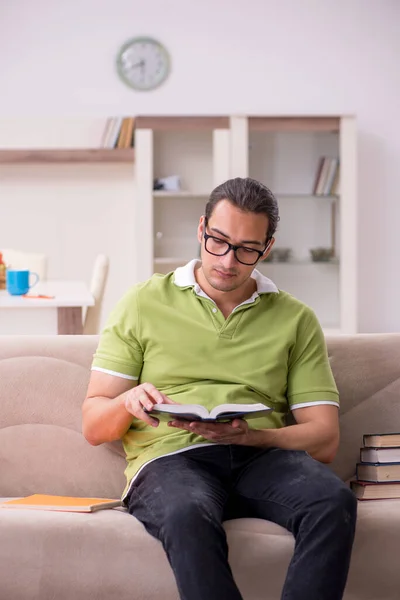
182, 500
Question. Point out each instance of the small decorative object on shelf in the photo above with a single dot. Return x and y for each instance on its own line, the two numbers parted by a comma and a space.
282, 254
172, 183
321, 254
2, 273
269, 258
279, 255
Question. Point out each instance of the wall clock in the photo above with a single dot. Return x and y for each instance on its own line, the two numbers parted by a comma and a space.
143, 63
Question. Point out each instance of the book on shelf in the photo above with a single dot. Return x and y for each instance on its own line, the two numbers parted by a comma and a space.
107, 133
130, 136
60, 503
318, 175
381, 440
125, 139
111, 132
197, 412
366, 490
119, 132
122, 133
327, 178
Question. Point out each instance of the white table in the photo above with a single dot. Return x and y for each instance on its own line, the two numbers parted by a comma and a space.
61, 314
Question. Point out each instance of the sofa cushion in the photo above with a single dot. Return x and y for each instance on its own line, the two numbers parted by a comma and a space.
103, 555
48, 459
42, 450
108, 554
44, 381
367, 372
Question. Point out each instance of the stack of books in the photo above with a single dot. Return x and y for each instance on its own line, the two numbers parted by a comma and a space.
327, 178
119, 132
378, 472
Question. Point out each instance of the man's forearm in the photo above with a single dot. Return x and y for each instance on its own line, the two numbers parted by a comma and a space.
105, 419
314, 437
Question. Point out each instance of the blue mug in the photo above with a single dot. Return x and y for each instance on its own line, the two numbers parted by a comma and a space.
17, 282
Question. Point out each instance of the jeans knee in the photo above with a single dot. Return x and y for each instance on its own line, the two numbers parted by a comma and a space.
343, 504
190, 512
190, 522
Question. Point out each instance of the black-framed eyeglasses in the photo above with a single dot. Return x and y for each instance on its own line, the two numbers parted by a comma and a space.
220, 247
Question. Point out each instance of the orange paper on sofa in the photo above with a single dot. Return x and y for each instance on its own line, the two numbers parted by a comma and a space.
61, 503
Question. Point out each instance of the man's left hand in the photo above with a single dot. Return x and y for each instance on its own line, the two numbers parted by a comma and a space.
234, 432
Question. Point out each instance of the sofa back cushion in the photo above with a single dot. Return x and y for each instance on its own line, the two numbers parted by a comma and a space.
367, 372
42, 450
43, 381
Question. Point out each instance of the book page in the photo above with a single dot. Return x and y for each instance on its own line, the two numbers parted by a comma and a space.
190, 412
228, 411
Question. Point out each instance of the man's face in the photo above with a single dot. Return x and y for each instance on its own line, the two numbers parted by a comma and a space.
230, 224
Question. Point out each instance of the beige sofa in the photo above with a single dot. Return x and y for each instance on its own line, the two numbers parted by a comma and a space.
106, 555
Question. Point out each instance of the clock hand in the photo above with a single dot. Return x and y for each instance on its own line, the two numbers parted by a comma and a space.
139, 64
142, 68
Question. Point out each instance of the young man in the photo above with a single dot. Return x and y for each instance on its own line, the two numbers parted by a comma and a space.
218, 331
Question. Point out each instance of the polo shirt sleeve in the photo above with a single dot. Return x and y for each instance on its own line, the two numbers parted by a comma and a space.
119, 351
310, 378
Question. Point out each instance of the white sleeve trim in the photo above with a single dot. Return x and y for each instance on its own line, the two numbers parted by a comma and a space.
109, 372
305, 404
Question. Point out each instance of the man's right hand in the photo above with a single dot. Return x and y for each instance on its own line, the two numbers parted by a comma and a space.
144, 396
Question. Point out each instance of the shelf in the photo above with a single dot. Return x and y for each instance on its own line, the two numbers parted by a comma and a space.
178, 194
188, 194
67, 155
282, 150
174, 260
297, 263
301, 123
307, 196
187, 123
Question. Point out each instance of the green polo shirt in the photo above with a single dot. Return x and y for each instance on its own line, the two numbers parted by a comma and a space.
168, 332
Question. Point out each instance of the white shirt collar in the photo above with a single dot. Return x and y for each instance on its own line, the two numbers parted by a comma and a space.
184, 277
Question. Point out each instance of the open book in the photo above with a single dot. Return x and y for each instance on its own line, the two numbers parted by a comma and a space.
62, 503
196, 412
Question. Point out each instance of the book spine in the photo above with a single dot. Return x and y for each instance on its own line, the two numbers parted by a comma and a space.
106, 133
122, 134
115, 132
335, 184
318, 175
331, 176
322, 178
129, 133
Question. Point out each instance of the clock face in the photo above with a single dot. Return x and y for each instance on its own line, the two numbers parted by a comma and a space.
143, 63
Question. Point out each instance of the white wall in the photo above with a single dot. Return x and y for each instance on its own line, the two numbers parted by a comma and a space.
229, 56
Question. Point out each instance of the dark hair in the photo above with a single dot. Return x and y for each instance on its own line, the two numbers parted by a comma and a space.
250, 196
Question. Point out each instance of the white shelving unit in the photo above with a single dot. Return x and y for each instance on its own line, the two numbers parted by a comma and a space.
198, 151
283, 153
